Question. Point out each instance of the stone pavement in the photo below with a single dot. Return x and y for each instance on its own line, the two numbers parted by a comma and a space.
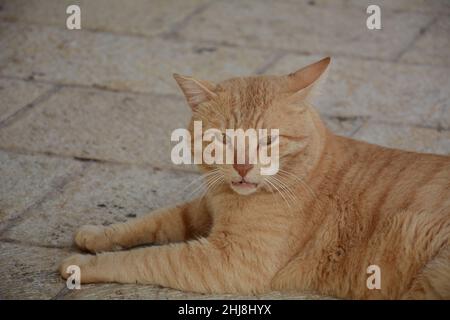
86, 115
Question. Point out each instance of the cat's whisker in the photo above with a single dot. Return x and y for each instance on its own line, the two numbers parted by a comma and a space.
271, 189
288, 190
299, 207
212, 176
211, 183
313, 194
200, 180
216, 183
202, 185
196, 190
285, 189
202, 176
278, 190
278, 184
301, 181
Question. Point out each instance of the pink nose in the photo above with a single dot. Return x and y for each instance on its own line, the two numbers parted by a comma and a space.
242, 169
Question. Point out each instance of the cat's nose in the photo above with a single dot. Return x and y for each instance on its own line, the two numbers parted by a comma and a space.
242, 169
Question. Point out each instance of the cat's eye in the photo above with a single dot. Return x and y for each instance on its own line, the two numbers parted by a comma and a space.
268, 140
222, 137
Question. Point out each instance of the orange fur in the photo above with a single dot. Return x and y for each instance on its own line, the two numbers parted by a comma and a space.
336, 206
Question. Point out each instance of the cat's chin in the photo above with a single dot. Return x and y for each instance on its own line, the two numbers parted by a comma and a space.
244, 188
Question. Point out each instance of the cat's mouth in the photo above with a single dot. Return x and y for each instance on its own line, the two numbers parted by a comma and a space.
244, 187
244, 184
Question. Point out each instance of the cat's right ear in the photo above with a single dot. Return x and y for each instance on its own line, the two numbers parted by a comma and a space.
305, 83
195, 91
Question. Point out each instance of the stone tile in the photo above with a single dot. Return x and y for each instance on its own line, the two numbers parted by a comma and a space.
293, 296
105, 194
305, 28
116, 62
407, 138
433, 46
445, 118
381, 90
141, 17
89, 123
16, 94
343, 126
29, 272
139, 292
146, 292
425, 6
24, 180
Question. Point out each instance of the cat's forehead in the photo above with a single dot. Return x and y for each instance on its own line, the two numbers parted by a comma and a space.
249, 93
261, 87
244, 101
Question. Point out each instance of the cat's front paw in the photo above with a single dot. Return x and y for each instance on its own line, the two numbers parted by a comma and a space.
93, 239
79, 260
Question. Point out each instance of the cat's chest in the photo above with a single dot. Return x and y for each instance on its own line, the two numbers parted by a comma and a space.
241, 208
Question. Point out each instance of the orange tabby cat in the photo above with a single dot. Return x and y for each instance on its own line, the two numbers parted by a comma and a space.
335, 207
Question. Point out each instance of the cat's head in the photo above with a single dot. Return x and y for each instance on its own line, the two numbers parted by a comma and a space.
260, 102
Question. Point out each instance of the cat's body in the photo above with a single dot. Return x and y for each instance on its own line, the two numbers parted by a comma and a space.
374, 206
339, 206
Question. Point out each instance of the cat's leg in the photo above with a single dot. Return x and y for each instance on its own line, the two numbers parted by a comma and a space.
433, 282
179, 223
198, 265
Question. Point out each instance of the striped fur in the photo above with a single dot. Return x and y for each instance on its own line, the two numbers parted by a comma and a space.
336, 206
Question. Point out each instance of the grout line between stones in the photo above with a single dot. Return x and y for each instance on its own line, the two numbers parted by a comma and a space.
100, 161
57, 188
61, 294
363, 123
33, 244
177, 26
410, 45
440, 126
93, 87
271, 61
19, 114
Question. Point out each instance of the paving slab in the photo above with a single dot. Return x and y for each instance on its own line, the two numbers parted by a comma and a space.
17, 94
140, 292
343, 126
105, 194
446, 116
102, 125
26, 179
406, 137
433, 46
139, 17
120, 63
423, 6
305, 28
386, 91
29, 272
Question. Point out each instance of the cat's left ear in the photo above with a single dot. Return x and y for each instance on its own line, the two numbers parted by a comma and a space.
195, 91
304, 83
